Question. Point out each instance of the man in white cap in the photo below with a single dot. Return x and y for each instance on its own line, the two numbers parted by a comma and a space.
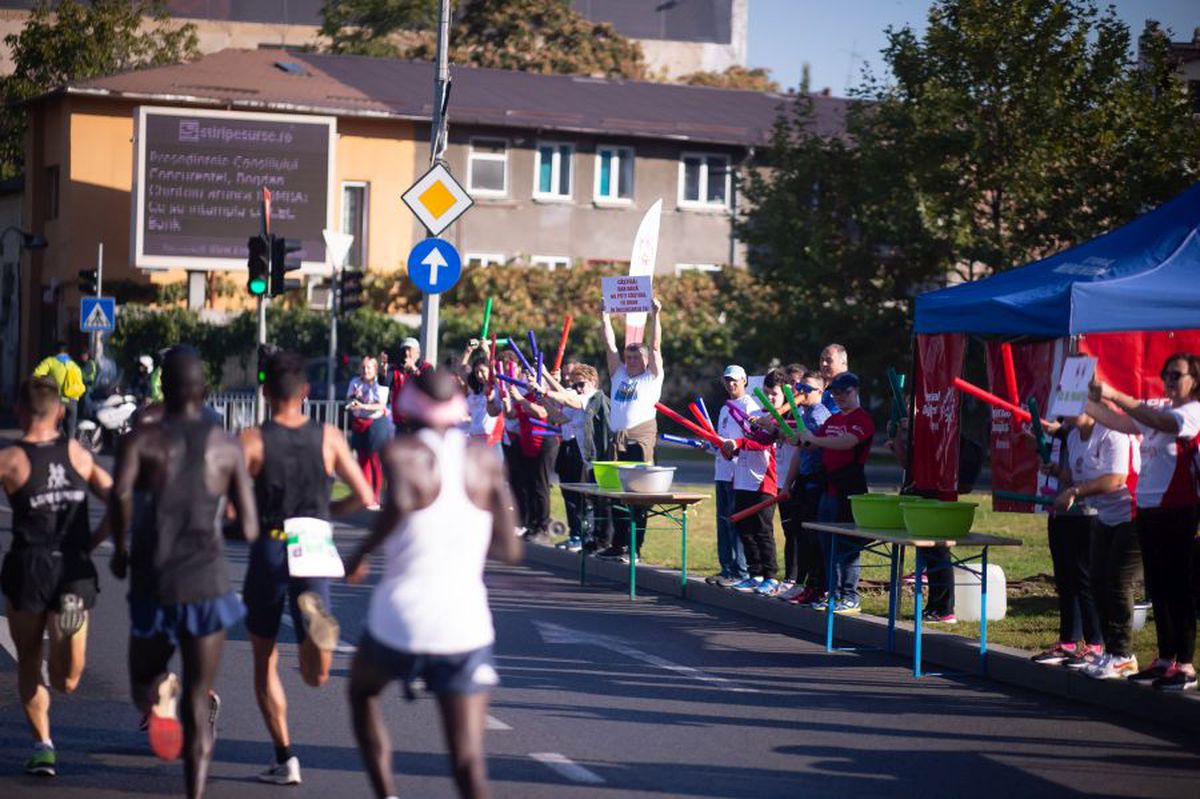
409, 364
729, 545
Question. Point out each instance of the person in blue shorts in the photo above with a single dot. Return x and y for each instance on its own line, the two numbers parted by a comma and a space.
292, 460
173, 476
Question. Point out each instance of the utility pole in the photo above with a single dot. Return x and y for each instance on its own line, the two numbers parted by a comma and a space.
437, 148
260, 405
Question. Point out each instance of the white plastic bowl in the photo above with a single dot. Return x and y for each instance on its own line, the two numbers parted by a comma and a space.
647, 479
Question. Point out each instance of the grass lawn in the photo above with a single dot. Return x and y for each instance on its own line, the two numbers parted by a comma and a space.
1032, 620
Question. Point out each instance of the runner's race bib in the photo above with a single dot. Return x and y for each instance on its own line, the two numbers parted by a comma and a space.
310, 549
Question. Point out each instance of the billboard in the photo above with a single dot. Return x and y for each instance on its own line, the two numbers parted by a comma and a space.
198, 180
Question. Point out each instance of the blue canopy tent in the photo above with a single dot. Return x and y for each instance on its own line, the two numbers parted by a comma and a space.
1142, 276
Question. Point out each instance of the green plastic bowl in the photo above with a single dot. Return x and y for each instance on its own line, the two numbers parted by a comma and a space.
607, 474
877, 511
938, 519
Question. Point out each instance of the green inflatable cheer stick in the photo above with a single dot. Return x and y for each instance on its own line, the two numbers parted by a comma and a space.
797, 417
487, 318
783, 426
1038, 433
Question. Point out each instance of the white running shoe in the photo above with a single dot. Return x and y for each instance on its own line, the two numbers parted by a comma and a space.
319, 623
286, 773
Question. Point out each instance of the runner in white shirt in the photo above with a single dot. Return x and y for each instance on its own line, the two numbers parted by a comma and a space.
1166, 498
446, 509
1102, 471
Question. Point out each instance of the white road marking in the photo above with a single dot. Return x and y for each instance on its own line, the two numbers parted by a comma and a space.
6, 640
557, 634
494, 723
568, 768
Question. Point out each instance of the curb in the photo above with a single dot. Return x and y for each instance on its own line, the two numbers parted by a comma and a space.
1005, 664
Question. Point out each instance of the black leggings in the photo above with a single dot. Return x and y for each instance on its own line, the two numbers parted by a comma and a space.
757, 532
1070, 551
1166, 536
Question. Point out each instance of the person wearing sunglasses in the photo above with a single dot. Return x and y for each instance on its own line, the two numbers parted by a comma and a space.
804, 480
1166, 498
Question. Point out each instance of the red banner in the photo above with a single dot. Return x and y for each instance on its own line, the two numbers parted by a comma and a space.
1131, 362
935, 426
1014, 455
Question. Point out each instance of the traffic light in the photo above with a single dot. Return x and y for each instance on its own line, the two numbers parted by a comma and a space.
89, 282
258, 266
265, 353
283, 261
350, 291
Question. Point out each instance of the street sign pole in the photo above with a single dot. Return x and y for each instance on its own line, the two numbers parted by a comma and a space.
260, 407
94, 339
331, 363
437, 147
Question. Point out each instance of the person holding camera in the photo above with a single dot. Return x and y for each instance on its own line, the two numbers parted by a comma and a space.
410, 365
370, 428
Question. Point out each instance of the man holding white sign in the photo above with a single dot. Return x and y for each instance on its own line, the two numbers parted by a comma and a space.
637, 382
292, 459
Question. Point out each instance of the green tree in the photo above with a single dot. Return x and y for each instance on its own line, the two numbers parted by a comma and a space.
1024, 128
370, 27
1008, 132
757, 79
544, 36
77, 41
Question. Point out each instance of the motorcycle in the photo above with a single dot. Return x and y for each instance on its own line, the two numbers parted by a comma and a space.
113, 418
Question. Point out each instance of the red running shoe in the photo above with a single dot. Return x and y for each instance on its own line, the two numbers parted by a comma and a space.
164, 730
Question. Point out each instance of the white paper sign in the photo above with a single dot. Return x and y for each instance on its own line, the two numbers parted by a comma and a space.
628, 294
310, 549
1071, 393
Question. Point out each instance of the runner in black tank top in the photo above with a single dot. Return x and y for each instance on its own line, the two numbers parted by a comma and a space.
48, 578
292, 459
172, 478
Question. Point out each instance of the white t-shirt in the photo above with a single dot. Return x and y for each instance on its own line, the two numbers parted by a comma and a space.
728, 428
482, 423
367, 394
431, 599
633, 398
572, 428
1168, 478
1105, 452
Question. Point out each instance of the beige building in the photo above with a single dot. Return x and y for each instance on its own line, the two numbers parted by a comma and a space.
561, 168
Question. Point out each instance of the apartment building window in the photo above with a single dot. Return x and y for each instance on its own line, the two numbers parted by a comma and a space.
614, 174
51, 174
485, 259
704, 180
552, 171
487, 168
355, 195
551, 262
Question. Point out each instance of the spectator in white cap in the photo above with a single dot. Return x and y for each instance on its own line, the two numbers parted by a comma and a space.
730, 554
408, 364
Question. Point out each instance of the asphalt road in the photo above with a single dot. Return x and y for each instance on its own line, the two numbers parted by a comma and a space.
602, 697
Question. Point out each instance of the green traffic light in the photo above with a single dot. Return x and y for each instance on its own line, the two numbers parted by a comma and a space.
262, 376
258, 286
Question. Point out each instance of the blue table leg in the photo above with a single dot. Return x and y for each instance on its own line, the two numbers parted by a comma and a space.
893, 599
917, 626
829, 596
983, 600
632, 554
683, 552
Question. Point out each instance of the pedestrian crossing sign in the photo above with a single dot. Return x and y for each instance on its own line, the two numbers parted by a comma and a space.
437, 199
97, 314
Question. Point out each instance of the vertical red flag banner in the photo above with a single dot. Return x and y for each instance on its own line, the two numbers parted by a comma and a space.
1014, 455
1130, 362
935, 430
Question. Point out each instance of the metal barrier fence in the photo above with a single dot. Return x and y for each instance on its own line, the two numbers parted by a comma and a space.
237, 411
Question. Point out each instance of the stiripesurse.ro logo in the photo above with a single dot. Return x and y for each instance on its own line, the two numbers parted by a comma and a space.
194, 131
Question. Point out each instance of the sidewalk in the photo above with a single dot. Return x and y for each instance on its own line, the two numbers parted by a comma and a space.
944, 649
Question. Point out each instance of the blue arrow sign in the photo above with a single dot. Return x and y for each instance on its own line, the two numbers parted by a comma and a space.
434, 265
97, 314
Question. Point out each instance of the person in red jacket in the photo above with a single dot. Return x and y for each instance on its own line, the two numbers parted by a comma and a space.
410, 365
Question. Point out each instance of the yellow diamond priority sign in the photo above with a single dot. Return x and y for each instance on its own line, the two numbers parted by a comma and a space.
437, 199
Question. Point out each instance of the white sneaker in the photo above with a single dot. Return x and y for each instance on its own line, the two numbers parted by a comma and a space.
791, 593
286, 773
